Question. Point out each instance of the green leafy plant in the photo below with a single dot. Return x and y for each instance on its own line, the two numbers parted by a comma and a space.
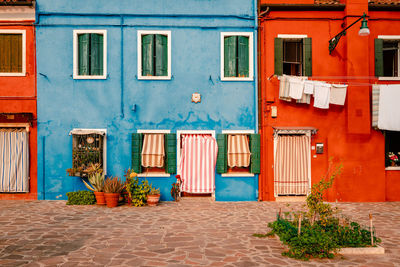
96, 182
82, 197
113, 185
154, 191
140, 193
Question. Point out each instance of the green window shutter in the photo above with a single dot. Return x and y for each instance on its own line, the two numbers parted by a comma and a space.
148, 55
243, 56
137, 140
96, 54
379, 57
222, 158
170, 148
5, 49
230, 56
83, 54
278, 56
307, 48
161, 55
255, 153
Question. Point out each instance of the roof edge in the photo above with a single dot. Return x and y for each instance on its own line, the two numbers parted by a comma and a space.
17, 3
381, 7
302, 7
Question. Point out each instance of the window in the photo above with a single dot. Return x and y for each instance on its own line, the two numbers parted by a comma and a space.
237, 56
88, 147
392, 149
154, 153
90, 54
154, 55
387, 57
12, 52
293, 55
238, 153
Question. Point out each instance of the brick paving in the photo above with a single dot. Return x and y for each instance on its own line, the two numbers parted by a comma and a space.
187, 233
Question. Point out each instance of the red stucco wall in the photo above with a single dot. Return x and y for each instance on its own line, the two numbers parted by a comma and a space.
345, 130
18, 95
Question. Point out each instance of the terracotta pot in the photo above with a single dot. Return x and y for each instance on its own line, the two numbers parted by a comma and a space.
100, 198
111, 199
152, 200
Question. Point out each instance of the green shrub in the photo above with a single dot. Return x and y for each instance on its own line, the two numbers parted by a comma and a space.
81, 197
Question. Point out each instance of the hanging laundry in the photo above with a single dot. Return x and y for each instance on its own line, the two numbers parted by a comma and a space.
305, 99
284, 88
338, 94
199, 156
321, 95
309, 87
389, 112
296, 87
375, 104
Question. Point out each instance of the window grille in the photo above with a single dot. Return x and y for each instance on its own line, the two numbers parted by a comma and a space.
87, 149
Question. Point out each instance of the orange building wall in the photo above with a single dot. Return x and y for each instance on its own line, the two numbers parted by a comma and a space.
18, 95
345, 130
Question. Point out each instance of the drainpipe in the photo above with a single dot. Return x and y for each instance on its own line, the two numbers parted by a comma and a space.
122, 67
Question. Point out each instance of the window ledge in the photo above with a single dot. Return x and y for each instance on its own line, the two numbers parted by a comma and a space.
154, 174
392, 168
13, 74
389, 78
89, 77
239, 174
154, 78
236, 79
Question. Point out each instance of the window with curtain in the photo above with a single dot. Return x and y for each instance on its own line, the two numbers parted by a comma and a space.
11, 53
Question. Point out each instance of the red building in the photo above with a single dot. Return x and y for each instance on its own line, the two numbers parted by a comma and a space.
299, 136
18, 134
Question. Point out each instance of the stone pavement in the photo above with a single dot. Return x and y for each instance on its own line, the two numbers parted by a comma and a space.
187, 233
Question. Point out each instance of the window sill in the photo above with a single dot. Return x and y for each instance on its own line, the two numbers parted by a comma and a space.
236, 79
89, 77
389, 78
392, 168
13, 74
154, 174
156, 78
238, 174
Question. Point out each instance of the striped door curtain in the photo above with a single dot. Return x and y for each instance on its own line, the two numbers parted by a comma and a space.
153, 151
292, 165
14, 160
199, 156
238, 151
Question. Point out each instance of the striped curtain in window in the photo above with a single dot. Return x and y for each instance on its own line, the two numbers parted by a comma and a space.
14, 160
291, 167
199, 156
238, 151
153, 151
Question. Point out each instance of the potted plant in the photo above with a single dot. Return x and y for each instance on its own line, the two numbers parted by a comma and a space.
153, 197
96, 184
113, 187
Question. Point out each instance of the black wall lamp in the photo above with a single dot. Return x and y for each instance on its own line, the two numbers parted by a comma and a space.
364, 31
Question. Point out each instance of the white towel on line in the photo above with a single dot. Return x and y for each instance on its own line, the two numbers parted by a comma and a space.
389, 111
309, 87
296, 87
321, 95
338, 94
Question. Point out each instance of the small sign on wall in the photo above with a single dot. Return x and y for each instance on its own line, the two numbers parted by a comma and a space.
196, 98
319, 148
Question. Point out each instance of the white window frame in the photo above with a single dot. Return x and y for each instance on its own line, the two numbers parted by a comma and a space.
139, 55
178, 143
154, 174
104, 144
15, 125
241, 174
392, 38
76, 76
307, 133
23, 73
295, 37
251, 56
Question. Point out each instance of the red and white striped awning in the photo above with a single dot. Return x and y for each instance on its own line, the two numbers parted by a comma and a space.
153, 150
238, 150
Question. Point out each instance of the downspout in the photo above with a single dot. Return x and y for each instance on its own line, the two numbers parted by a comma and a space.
122, 67
44, 167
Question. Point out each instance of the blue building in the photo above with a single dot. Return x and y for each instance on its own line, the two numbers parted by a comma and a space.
128, 83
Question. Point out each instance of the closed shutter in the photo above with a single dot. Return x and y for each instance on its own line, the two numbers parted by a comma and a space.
161, 55
278, 56
83, 54
307, 48
255, 153
137, 140
148, 55
5, 53
230, 55
10, 52
96, 54
379, 57
243, 56
170, 148
222, 161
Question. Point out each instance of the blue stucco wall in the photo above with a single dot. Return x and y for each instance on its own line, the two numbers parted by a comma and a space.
65, 103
